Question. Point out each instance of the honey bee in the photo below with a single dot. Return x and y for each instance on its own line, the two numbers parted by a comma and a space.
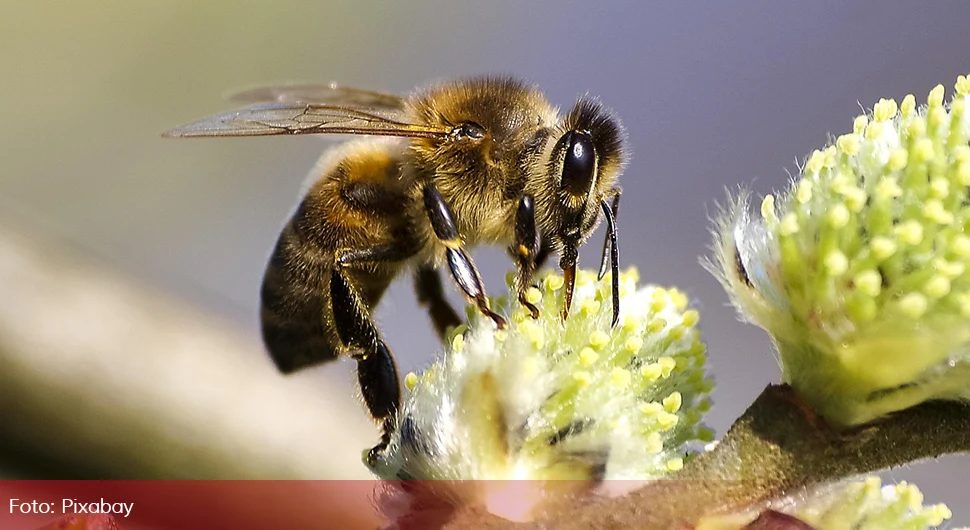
483, 160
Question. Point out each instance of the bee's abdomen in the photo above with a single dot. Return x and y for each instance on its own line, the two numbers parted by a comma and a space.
356, 203
295, 302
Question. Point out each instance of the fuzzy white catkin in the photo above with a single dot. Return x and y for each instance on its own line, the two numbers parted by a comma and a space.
545, 399
859, 271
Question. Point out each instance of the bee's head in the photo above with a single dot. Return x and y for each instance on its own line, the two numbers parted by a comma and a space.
580, 160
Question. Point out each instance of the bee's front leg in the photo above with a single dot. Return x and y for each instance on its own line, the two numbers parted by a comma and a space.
462, 267
525, 249
610, 248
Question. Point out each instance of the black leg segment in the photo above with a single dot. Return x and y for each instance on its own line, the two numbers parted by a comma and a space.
610, 240
376, 371
462, 267
525, 249
397, 251
567, 262
614, 258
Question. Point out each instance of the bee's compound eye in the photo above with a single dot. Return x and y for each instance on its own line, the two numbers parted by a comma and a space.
470, 130
579, 162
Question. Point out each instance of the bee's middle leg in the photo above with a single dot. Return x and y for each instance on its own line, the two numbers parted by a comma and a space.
462, 267
525, 250
427, 285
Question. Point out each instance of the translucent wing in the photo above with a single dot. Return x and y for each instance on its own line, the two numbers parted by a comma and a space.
269, 119
322, 94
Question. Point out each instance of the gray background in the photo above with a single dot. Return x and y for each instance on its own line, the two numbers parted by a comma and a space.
712, 96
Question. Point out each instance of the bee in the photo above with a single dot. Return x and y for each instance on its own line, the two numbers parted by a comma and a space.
484, 160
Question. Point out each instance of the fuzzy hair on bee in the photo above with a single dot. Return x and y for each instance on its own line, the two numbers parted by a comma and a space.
483, 160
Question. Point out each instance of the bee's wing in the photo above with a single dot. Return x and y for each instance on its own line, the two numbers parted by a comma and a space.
268, 119
322, 94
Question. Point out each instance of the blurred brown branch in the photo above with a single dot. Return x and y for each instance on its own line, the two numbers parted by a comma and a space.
109, 379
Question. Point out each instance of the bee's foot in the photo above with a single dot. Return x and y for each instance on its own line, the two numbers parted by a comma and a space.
499, 321
533, 310
374, 455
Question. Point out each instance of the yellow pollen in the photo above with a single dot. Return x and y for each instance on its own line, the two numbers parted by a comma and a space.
962, 86
883, 247
458, 343
874, 130
677, 332
590, 306
804, 192
935, 98
908, 106
950, 269
934, 210
630, 323
651, 372
691, 316
789, 224
888, 188
598, 339
838, 216
633, 344
656, 325
679, 299
411, 381
884, 110
937, 287
830, 155
913, 305
849, 143
868, 282
673, 402
651, 408
855, 198
533, 295
960, 246
553, 282
768, 208
898, 160
675, 464
582, 378
923, 150
815, 162
655, 443
835, 263
859, 124
620, 377
658, 300
667, 421
939, 187
587, 357
910, 232
963, 173
667, 365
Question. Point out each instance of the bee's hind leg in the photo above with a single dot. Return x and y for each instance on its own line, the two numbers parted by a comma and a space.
376, 370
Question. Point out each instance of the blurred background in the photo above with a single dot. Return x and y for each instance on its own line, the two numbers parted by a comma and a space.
712, 96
